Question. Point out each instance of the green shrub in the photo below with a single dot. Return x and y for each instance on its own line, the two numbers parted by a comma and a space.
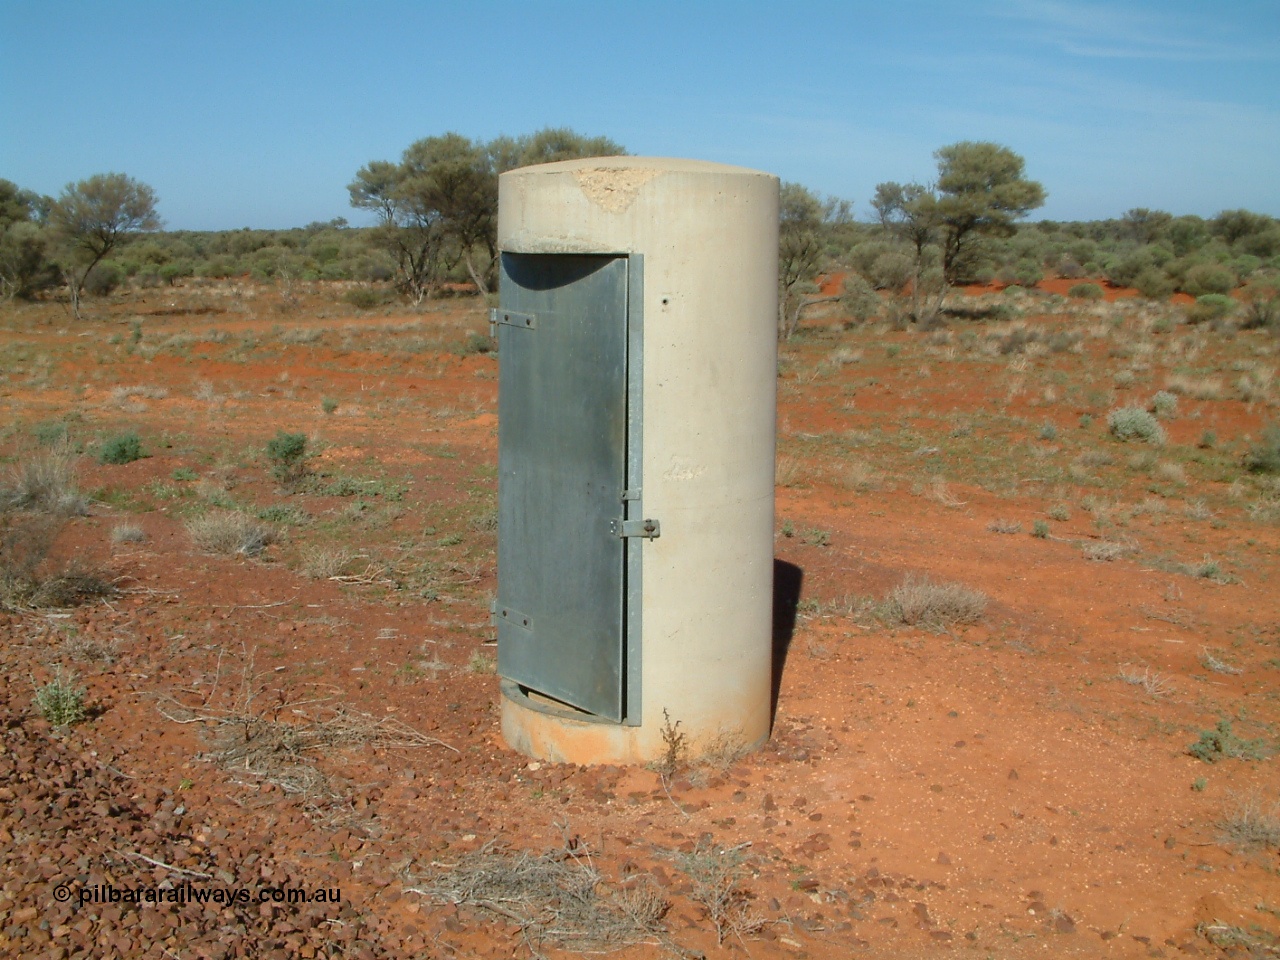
1211, 306
1208, 278
328, 405
51, 433
859, 298
476, 343
102, 279
1164, 404
288, 455
1154, 284
363, 298
1086, 291
1040, 530
1264, 456
1221, 742
120, 449
60, 701
1134, 423
1027, 273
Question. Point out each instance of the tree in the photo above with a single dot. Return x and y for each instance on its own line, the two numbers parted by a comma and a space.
24, 267
799, 252
1144, 225
981, 191
439, 205
91, 218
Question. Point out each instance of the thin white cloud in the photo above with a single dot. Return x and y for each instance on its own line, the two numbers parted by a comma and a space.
1107, 31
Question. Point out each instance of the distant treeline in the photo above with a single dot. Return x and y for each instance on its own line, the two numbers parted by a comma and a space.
436, 228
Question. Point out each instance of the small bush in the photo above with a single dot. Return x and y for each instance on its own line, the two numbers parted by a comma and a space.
288, 455
51, 433
60, 701
1261, 307
1134, 423
1164, 404
922, 602
228, 532
1221, 742
476, 343
1210, 307
1086, 291
102, 279
120, 449
859, 298
328, 405
1252, 825
1264, 456
45, 483
1154, 284
363, 298
128, 533
1208, 278
1040, 530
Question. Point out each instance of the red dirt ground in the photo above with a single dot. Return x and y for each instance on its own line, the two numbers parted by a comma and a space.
988, 791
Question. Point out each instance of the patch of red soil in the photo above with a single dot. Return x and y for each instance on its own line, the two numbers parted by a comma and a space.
996, 788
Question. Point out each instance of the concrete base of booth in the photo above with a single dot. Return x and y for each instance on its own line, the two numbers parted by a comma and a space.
547, 731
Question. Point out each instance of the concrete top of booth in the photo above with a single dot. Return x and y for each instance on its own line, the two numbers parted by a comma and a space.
655, 164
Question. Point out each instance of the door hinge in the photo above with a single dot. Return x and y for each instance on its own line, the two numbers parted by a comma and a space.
511, 318
648, 529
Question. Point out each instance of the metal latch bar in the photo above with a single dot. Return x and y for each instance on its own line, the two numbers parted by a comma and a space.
512, 318
648, 529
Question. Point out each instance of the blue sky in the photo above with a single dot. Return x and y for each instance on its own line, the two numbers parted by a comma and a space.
259, 113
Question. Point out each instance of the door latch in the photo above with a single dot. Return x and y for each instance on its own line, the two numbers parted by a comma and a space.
648, 529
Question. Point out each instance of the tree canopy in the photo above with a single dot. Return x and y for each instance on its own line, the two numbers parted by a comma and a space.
91, 218
439, 205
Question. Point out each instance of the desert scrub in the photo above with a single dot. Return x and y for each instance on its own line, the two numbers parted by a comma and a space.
1254, 824
1134, 423
1086, 291
128, 533
935, 605
229, 532
60, 701
45, 482
1164, 405
287, 454
1221, 742
121, 449
1264, 456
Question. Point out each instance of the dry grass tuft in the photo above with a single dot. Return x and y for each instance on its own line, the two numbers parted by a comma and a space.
1152, 683
1103, 551
45, 482
1254, 824
921, 602
322, 563
1004, 526
556, 898
228, 532
716, 875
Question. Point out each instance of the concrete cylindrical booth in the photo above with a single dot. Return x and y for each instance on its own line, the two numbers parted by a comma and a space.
637, 358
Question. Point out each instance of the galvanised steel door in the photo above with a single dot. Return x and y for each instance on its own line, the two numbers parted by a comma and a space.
562, 458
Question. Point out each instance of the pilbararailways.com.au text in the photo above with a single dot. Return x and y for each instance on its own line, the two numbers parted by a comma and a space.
187, 892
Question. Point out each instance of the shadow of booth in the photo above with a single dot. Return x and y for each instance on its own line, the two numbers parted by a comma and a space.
788, 583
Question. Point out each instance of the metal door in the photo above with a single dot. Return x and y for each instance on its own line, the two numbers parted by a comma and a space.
562, 469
